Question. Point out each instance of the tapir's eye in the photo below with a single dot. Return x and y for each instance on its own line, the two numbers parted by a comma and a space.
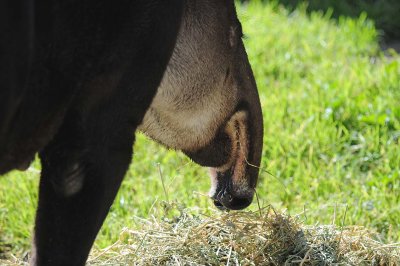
235, 34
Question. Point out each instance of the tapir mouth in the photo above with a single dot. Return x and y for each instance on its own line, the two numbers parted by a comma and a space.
231, 184
224, 193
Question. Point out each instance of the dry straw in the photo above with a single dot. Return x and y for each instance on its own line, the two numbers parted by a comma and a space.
244, 238
264, 237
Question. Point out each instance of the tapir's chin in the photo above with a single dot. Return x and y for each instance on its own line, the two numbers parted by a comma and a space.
231, 185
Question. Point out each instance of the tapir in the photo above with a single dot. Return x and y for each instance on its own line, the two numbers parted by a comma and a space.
79, 77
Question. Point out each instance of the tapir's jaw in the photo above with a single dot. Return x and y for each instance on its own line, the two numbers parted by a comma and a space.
232, 187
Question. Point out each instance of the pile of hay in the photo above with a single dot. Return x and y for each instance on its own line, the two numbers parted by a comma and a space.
244, 238
241, 238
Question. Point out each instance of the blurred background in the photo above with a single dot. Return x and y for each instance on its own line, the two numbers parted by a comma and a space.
384, 13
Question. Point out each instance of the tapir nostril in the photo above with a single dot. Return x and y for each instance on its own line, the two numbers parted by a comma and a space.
228, 198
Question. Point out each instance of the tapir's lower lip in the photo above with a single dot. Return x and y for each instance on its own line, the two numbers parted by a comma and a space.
235, 203
220, 206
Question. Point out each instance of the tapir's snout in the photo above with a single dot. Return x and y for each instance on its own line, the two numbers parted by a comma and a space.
233, 183
225, 195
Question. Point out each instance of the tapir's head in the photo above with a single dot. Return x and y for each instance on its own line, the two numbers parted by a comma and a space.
207, 104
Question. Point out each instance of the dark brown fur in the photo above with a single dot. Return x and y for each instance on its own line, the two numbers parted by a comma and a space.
77, 78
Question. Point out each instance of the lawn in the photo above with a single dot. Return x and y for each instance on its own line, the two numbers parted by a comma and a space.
331, 104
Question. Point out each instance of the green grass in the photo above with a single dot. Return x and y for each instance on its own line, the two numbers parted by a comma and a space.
385, 13
331, 103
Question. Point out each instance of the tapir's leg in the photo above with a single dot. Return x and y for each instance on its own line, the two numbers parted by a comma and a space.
80, 178
83, 166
